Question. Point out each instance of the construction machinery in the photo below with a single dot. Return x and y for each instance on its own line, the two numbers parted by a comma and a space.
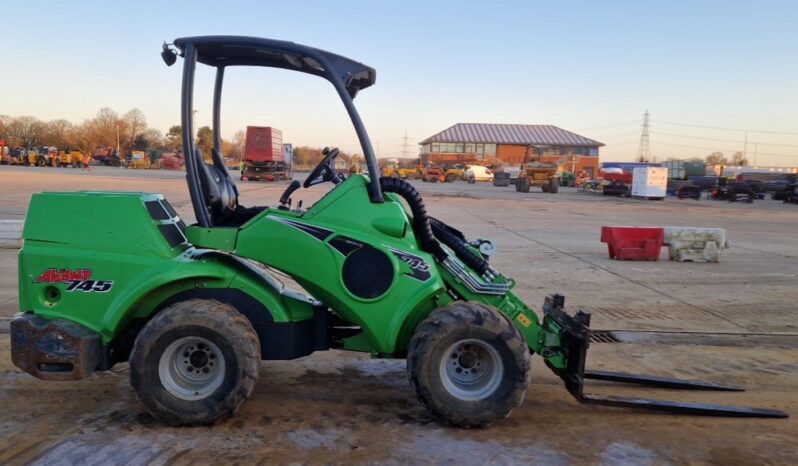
107, 156
194, 308
539, 174
70, 158
393, 170
39, 156
171, 161
452, 173
139, 159
264, 158
433, 174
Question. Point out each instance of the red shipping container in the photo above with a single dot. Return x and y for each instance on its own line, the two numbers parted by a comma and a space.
263, 144
633, 243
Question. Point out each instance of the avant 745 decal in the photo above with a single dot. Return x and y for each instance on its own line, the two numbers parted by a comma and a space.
76, 280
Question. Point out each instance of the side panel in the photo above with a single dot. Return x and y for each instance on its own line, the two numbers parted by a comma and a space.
103, 259
349, 253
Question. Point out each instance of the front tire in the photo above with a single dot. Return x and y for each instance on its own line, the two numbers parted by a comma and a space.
195, 362
468, 364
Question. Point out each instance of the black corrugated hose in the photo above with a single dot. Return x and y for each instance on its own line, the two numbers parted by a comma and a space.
428, 229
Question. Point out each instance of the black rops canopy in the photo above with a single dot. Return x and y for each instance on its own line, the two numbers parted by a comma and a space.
223, 51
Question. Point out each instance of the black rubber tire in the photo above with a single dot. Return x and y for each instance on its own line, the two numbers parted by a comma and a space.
216, 322
522, 185
554, 185
450, 178
448, 325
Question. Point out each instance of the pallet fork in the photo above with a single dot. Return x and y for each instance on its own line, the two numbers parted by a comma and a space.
576, 339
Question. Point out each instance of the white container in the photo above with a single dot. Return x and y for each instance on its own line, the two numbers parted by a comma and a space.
649, 182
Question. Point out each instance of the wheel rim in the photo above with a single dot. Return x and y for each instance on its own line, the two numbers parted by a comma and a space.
191, 368
471, 370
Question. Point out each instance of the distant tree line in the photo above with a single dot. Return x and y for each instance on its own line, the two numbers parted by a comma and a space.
133, 133
102, 131
309, 157
718, 158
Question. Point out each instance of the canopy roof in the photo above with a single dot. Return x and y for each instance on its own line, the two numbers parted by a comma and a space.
223, 51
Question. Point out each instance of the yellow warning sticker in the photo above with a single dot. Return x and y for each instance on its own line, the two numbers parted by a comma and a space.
524, 320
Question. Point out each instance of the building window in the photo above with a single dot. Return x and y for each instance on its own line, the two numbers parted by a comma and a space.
458, 148
425, 148
490, 149
436, 147
548, 150
469, 148
480, 149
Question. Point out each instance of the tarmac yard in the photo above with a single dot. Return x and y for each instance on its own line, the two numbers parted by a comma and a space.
733, 322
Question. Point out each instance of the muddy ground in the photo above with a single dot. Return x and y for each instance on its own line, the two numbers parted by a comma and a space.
732, 322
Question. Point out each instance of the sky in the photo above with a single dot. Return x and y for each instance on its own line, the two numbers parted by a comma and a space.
714, 75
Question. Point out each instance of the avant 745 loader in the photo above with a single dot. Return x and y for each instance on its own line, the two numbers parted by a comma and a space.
195, 308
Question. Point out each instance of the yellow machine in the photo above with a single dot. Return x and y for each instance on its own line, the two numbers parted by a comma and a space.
453, 173
392, 170
69, 158
140, 159
542, 175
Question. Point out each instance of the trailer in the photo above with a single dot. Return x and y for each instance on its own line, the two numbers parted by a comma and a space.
649, 182
263, 155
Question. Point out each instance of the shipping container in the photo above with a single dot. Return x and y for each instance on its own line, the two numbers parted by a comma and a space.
649, 182
263, 144
683, 169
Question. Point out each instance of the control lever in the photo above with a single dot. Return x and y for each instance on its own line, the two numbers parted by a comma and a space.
285, 199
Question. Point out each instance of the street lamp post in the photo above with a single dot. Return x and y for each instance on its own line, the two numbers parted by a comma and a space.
117, 143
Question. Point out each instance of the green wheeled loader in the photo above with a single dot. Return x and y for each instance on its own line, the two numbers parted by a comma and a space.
195, 308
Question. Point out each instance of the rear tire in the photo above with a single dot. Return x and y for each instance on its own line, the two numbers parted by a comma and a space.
196, 362
522, 185
468, 364
554, 185
450, 178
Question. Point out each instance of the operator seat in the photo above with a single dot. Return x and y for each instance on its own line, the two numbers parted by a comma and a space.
221, 196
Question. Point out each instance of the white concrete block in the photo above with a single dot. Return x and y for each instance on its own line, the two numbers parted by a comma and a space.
11, 234
691, 244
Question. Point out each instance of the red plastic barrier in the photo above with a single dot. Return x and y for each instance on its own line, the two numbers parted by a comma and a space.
633, 243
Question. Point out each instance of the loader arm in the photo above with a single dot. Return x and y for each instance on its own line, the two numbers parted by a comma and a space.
562, 340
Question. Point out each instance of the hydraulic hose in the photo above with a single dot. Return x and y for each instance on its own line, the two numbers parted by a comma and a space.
421, 222
454, 239
429, 230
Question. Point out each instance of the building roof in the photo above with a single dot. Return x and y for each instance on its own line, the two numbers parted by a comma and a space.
510, 134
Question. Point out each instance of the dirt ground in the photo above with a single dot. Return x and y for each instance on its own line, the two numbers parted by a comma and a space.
732, 322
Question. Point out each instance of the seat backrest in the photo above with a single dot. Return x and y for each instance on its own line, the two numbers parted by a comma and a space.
220, 193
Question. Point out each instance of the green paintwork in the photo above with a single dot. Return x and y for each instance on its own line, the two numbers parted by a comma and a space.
114, 236
223, 239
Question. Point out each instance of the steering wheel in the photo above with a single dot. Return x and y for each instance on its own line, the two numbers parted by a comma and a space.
325, 170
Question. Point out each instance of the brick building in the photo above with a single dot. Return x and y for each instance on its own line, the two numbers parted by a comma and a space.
498, 144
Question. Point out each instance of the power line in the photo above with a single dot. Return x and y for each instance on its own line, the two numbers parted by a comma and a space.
723, 140
784, 133
619, 135
612, 125
721, 150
